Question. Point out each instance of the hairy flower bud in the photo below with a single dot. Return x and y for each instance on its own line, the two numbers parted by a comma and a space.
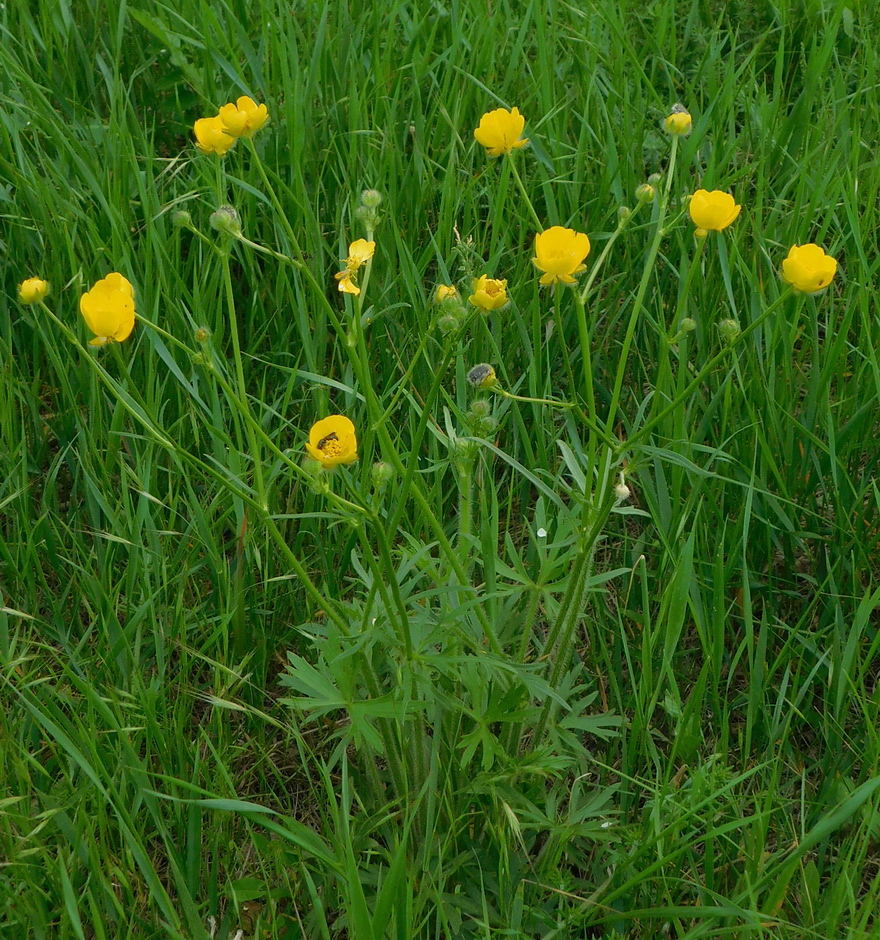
226, 221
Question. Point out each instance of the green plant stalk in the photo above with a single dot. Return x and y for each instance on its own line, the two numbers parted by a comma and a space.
642, 290
256, 453
511, 160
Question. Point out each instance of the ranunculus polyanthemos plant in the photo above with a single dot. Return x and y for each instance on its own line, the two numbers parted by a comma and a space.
388, 631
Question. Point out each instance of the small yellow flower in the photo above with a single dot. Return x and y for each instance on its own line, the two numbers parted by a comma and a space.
332, 441
445, 292
347, 283
559, 253
359, 253
712, 211
211, 136
244, 118
807, 268
32, 290
108, 309
679, 123
499, 131
489, 294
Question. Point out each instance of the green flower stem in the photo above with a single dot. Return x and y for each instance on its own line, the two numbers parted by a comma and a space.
649, 426
465, 466
256, 454
512, 162
268, 251
638, 303
560, 332
380, 572
603, 257
534, 401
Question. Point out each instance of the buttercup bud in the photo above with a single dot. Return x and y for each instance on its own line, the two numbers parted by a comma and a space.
645, 192
679, 122
654, 179
181, 218
481, 408
729, 329
448, 324
687, 325
226, 221
623, 214
381, 473
371, 198
203, 334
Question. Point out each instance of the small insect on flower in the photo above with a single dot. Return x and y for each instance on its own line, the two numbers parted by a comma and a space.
33, 290
560, 253
712, 212
108, 309
499, 131
211, 136
333, 441
679, 123
244, 118
808, 269
482, 376
489, 293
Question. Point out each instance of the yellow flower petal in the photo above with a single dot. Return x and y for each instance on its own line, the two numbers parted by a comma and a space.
489, 293
108, 309
211, 136
32, 290
244, 118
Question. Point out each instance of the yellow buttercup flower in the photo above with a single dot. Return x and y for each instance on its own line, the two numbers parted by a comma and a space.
108, 309
444, 292
499, 131
679, 123
559, 253
211, 136
359, 253
244, 118
712, 211
332, 441
807, 268
489, 293
32, 290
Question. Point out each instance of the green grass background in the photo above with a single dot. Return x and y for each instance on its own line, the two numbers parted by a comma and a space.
719, 775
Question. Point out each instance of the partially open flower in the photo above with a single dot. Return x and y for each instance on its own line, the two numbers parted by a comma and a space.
211, 136
499, 131
244, 118
559, 253
807, 268
445, 292
32, 290
489, 293
332, 441
679, 122
108, 309
712, 212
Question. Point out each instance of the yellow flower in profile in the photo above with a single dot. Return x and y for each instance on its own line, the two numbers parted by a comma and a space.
489, 294
332, 441
807, 268
559, 253
445, 292
244, 118
108, 309
32, 290
359, 253
211, 136
712, 211
499, 131
679, 123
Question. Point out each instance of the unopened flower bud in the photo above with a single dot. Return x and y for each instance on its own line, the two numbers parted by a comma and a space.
226, 221
448, 324
203, 334
654, 179
181, 218
645, 192
445, 292
687, 325
371, 198
679, 122
481, 408
33, 290
382, 473
482, 376
729, 329
623, 214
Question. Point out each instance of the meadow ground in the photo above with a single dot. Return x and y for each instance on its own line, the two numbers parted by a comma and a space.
584, 646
